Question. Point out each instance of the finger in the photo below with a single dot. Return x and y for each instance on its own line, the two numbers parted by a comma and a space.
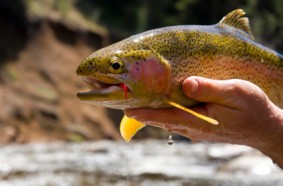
177, 121
225, 92
170, 118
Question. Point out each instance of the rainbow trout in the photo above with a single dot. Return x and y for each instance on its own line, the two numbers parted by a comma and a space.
147, 70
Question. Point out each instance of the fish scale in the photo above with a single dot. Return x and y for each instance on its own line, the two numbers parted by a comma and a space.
241, 57
152, 65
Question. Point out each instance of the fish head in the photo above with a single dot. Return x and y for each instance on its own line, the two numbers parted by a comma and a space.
125, 75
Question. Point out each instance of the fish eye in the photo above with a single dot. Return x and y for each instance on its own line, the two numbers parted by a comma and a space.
116, 65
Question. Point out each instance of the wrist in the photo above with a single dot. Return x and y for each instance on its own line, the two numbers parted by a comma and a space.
271, 140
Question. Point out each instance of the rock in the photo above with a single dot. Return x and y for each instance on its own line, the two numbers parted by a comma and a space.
9, 134
226, 151
138, 163
250, 164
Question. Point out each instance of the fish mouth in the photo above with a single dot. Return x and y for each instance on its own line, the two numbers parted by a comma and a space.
102, 90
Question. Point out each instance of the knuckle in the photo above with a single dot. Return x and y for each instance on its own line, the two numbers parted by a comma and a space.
237, 87
246, 91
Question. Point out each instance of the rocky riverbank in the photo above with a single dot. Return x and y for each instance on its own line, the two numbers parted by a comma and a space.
136, 163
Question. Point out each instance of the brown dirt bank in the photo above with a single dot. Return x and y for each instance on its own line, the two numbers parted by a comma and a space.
38, 87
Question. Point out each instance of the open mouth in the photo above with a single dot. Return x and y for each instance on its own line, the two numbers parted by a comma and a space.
99, 87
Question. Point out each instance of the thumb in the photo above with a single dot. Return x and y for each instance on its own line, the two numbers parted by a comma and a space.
224, 92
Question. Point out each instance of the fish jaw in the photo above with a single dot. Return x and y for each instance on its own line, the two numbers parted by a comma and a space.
144, 78
101, 91
140, 90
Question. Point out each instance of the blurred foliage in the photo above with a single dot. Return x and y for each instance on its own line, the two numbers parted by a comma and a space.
64, 12
127, 17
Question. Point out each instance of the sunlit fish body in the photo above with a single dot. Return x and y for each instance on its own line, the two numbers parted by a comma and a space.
147, 70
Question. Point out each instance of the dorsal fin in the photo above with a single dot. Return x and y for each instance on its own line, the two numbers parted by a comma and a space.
236, 19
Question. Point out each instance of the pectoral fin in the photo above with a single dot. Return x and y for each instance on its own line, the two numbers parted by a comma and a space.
203, 117
129, 127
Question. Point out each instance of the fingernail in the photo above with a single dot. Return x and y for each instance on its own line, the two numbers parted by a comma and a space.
190, 87
194, 87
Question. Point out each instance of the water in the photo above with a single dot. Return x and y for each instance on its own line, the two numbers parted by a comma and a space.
139, 163
170, 139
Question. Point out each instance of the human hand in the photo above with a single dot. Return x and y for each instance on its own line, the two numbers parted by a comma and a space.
245, 114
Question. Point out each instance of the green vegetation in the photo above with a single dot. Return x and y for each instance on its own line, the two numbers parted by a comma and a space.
127, 17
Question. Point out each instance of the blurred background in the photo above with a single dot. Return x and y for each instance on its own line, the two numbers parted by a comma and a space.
41, 44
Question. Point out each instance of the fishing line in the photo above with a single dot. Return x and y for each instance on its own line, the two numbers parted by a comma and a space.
127, 165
